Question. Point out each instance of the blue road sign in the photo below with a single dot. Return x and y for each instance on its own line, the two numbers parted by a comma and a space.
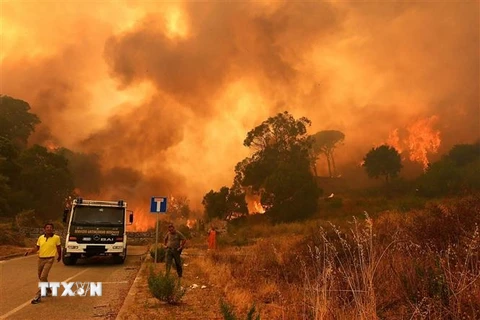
158, 205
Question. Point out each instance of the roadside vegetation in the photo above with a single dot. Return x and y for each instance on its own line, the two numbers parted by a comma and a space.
397, 250
319, 247
422, 264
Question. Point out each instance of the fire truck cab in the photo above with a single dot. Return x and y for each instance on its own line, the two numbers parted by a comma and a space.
96, 228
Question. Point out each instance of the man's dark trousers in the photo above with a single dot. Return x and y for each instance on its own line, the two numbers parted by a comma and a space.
174, 254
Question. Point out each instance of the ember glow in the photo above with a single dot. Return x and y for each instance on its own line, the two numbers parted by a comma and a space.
165, 92
191, 223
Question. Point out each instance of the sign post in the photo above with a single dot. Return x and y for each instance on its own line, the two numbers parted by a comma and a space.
158, 205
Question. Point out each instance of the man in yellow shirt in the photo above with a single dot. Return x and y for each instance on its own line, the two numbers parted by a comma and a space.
48, 244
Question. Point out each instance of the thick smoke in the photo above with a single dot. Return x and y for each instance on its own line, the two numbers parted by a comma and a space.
164, 94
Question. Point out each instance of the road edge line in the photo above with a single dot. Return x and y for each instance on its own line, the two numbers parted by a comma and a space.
20, 307
130, 298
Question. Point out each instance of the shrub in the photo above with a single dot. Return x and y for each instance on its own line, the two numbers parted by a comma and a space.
27, 219
185, 231
228, 313
165, 288
444, 223
335, 203
10, 237
160, 254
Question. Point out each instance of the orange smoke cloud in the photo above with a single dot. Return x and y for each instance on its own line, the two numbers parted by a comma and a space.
159, 96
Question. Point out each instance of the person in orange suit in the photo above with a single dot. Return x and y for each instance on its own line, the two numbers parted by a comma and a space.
212, 238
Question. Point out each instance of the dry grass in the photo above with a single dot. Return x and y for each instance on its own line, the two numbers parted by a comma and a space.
392, 267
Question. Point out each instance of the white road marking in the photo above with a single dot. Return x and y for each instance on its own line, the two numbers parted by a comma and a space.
20, 307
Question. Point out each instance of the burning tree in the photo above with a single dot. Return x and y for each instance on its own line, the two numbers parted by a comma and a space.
279, 169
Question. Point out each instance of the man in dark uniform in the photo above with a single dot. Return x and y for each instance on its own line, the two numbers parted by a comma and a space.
174, 243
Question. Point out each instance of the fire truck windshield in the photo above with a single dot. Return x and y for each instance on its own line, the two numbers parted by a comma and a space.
98, 215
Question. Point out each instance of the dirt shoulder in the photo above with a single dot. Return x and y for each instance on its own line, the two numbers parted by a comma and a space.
7, 251
201, 300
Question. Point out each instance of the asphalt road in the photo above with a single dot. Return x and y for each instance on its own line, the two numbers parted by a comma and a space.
19, 283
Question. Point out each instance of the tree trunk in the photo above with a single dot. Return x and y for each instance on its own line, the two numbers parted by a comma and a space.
333, 164
329, 168
387, 186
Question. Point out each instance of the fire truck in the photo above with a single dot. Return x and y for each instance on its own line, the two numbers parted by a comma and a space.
96, 228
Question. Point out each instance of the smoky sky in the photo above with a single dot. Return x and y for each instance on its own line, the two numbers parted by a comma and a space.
164, 93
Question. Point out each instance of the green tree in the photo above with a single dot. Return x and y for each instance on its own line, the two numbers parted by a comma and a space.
325, 142
9, 166
45, 182
281, 133
458, 172
16, 122
224, 203
462, 154
383, 161
178, 207
85, 169
236, 204
4, 195
279, 169
215, 203
16, 125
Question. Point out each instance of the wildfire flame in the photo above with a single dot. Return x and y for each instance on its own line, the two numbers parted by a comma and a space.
142, 220
191, 223
394, 141
253, 201
422, 139
50, 145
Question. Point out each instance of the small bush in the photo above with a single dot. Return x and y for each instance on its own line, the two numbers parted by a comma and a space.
185, 231
10, 237
160, 254
335, 203
27, 218
165, 287
241, 241
228, 313
407, 204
